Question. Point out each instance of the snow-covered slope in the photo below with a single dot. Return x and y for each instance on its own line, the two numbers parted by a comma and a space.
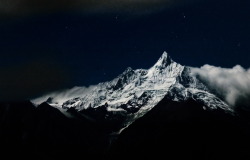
135, 92
139, 89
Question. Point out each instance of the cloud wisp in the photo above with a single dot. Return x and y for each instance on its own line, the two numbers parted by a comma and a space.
232, 85
26, 7
59, 97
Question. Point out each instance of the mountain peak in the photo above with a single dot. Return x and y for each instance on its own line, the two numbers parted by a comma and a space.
164, 60
129, 69
135, 92
165, 54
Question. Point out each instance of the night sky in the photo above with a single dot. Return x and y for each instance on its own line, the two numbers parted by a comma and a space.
49, 45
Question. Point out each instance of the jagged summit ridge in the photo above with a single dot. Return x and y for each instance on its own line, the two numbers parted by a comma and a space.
131, 85
135, 92
163, 77
164, 60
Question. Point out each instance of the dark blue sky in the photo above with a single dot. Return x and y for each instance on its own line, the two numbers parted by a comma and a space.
44, 51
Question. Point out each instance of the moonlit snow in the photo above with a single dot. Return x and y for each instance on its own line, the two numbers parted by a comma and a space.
139, 90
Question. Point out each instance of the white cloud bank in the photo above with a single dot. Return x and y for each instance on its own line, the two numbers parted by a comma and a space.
59, 97
232, 84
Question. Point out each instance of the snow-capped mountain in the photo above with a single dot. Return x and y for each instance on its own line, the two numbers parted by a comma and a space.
135, 92
136, 113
